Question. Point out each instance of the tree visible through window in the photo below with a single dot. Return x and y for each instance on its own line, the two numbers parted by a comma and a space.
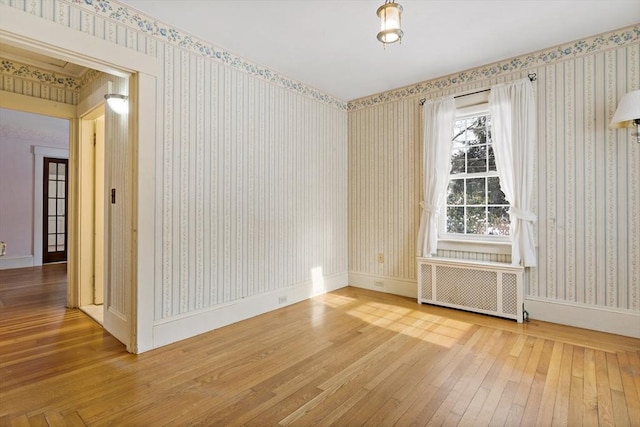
475, 204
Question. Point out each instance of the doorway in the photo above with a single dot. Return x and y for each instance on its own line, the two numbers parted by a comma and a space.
129, 308
91, 169
55, 205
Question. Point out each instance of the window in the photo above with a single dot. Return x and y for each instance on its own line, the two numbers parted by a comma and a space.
475, 206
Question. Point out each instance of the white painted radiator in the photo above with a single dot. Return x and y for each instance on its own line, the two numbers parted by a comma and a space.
483, 287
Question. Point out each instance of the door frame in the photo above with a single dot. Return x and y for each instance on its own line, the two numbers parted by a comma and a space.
88, 111
26, 31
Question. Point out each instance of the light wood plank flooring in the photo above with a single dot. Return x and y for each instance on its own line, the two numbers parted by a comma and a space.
349, 358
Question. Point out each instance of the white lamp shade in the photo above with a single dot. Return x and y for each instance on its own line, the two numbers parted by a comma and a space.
628, 110
389, 14
118, 103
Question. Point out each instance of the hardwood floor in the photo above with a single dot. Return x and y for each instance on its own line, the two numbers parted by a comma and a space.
349, 358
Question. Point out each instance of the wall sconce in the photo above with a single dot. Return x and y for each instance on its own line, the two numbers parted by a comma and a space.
389, 14
628, 113
118, 103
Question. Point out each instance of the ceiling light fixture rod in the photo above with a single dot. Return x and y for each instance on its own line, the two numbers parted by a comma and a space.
532, 77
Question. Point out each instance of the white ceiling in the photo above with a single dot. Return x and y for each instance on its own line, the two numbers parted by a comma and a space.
331, 45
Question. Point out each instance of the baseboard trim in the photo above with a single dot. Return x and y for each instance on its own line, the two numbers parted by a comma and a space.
185, 326
390, 285
16, 262
620, 322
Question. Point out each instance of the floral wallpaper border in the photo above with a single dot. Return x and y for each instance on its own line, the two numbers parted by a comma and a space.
617, 38
147, 25
151, 27
111, 9
16, 69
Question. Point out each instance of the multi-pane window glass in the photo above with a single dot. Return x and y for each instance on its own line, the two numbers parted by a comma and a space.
475, 204
56, 229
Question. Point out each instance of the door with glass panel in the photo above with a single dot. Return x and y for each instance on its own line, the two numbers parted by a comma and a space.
55, 210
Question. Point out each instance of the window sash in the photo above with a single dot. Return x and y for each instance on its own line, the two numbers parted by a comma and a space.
464, 114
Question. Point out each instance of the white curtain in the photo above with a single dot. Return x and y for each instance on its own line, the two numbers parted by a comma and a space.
439, 116
512, 108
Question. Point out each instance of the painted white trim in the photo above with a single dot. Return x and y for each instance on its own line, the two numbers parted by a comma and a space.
477, 246
198, 322
92, 101
39, 153
29, 104
26, 31
89, 109
7, 263
615, 321
602, 319
142, 91
390, 285
39, 35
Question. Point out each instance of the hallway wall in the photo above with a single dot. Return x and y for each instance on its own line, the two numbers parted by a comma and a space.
19, 133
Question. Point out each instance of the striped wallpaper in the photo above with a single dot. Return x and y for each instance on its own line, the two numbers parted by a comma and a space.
251, 168
587, 183
31, 81
261, 179
384, 184
251, 181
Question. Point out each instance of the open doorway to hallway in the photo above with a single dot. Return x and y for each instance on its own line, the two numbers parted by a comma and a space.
34, 175
92, 212
34, 149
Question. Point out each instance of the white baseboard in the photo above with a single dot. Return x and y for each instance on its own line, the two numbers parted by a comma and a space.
620, 322
191, 324
390, 285
16, 262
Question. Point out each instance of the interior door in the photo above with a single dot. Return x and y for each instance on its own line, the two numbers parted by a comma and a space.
55, 189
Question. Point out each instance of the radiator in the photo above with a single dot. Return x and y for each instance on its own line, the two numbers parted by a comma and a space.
483, 287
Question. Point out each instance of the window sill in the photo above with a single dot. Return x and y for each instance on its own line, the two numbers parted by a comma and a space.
481, 246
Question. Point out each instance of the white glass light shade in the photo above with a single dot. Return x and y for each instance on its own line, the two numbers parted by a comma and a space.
118, 103
628, 110
389, 14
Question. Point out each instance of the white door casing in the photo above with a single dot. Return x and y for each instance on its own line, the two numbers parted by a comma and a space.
129, 307
99, 200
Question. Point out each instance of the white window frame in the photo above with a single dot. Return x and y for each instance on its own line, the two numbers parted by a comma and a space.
468, 242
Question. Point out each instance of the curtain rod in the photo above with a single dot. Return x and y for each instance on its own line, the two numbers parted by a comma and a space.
532, 77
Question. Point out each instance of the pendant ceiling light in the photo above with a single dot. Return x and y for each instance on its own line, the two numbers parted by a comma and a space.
389, 14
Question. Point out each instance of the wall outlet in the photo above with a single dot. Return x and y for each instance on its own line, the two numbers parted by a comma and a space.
381, 258
378, 284
282, 300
